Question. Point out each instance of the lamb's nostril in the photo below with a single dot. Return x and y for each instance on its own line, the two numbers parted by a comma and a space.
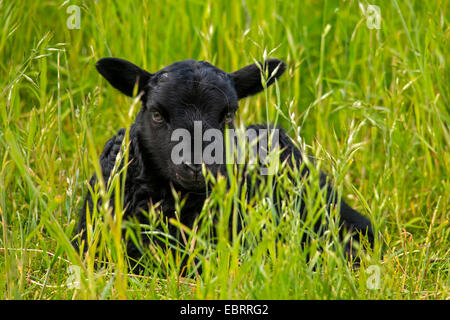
196, 168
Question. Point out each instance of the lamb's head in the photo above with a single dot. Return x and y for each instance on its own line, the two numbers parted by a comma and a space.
186, 108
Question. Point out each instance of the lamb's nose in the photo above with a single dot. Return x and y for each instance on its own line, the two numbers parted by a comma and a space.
195, 168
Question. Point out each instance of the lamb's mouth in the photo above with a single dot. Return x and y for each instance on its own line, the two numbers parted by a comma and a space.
196, 184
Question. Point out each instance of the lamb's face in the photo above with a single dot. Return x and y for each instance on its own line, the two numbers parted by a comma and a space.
187, 107
186, 103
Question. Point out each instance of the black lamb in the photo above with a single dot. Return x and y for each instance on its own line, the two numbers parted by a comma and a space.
180, 96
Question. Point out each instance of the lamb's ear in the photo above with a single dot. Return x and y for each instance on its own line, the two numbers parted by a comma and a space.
247, 81
123, 75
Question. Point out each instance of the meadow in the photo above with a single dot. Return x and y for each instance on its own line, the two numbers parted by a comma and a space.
366, 93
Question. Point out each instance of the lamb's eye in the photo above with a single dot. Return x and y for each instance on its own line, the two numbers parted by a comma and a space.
228, 118
157, 117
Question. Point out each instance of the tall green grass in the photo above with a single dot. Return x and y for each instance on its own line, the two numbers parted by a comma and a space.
370, 104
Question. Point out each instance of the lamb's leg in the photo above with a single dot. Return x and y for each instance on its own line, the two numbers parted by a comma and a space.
356, 223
